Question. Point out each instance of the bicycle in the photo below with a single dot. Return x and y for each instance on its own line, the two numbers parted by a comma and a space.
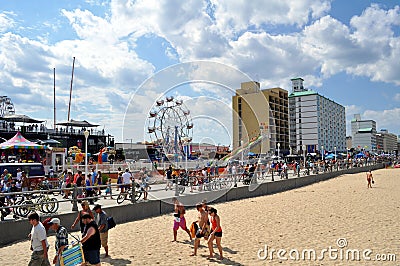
261, 175
4, 211
182, 182
221, 183
128, 194
306, 172
43, 204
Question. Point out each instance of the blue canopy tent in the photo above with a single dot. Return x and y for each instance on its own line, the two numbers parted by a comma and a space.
330, 156
360, 155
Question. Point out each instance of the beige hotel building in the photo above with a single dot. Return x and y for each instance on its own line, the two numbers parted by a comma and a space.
259, 112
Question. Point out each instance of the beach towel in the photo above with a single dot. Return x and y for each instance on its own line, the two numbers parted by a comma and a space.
193, 229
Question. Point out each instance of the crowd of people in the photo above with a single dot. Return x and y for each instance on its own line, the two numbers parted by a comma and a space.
207, 226
9, 184
94, 229
92, 185
94, 235
200, 178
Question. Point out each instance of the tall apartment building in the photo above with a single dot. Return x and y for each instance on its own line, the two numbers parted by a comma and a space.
349, 142
316, 122
387, 141
398, 145
364, 134
261, 112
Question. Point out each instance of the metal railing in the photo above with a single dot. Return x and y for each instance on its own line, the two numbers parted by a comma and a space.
225, 180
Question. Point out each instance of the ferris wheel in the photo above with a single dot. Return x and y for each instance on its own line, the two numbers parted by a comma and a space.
6, 106
170, 125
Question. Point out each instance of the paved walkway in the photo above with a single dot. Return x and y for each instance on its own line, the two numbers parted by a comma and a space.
157, 192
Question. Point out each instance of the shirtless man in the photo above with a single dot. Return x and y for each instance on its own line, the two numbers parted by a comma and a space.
179, 218
369, 179
202, 231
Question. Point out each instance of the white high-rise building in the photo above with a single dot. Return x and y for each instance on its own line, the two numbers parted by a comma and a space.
364, 134
389, 141
316, 122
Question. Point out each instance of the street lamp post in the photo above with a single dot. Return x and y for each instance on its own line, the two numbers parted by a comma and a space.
86, 134
322, 147
335, 159
335, 152
75, 191
279, 145
186, 142
304, 148
241, 146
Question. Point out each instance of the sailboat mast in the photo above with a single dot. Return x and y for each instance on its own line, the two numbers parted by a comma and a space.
70, 90
54, 95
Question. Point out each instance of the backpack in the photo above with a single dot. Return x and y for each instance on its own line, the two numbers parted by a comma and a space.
46, 224
110, 222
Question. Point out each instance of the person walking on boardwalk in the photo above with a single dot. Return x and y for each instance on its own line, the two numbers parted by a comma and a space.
108, 189
39, 244
61, 239
216, 233
179, 218
168, 175
370, 179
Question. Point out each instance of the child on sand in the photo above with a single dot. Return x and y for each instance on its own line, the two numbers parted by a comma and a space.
370, 179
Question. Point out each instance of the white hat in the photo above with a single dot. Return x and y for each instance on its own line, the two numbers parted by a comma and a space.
54, 221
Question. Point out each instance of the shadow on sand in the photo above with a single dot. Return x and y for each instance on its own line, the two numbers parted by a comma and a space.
224, 261
116, 262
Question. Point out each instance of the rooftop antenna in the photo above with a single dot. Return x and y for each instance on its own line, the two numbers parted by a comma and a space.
70, 90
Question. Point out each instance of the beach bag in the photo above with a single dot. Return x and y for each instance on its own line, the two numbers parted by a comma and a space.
72, 256
111, 222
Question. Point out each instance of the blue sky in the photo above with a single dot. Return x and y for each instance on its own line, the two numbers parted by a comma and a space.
346, 50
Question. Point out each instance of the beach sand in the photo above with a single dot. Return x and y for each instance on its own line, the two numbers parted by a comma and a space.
312, 217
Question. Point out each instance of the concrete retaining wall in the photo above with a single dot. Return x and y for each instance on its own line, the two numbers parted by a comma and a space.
12, 231
306, 180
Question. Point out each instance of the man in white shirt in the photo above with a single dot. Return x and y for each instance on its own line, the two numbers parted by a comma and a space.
126, 180
284, 172
19, 174
39, 244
